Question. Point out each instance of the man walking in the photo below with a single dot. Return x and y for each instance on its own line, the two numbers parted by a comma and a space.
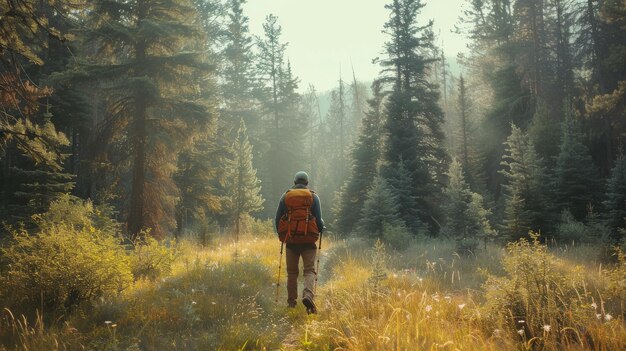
299, 224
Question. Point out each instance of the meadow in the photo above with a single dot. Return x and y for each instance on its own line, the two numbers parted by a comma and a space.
425, 296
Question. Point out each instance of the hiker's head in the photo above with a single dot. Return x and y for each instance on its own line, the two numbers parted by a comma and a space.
301, 178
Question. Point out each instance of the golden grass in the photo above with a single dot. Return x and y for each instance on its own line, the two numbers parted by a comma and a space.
429, 298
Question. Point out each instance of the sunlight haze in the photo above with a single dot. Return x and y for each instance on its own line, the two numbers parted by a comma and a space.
322, 40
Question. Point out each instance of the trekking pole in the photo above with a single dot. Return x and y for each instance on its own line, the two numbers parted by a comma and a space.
280, 266
317, 269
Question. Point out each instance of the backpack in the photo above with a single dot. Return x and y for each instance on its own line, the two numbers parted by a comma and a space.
298, 225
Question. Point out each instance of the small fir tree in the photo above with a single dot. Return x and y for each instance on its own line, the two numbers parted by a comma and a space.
466, 217
243, 186
615, 200
525, 203
575, 175
380, 210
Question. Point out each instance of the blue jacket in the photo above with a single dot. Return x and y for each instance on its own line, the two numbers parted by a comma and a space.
316, 209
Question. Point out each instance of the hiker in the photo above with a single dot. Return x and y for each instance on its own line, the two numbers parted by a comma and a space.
299, 224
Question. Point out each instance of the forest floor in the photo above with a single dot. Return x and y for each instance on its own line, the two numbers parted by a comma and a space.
370, 297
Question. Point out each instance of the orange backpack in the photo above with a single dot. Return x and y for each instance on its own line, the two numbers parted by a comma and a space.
298, 225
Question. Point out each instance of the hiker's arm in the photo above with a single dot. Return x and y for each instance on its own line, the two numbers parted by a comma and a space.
317, 212
279, 212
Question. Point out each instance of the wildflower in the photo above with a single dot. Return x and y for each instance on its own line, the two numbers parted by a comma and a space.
113, 325
608, 317
194, 303
193, 290
598, 316
213, 303
594, 305
520, 332
428, 308
448, 298
496, 333
521, 321
461, 306
107, 322
546, 328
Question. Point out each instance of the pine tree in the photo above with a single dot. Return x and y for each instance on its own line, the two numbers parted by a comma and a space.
575, 176
466, 217
458, 197
615, 200
380, 210
285, 132
365, 155
525, 203
200, 179
400, 182
239, 72
157, 75
414, 118
242, 185
466, 150
24, 129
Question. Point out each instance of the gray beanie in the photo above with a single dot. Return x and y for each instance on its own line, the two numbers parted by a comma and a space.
301, 177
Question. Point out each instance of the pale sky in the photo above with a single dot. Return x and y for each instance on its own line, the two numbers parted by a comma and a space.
324, 35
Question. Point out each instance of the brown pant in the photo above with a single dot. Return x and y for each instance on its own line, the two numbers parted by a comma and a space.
308, 260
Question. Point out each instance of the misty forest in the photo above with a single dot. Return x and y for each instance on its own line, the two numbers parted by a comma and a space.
472, 201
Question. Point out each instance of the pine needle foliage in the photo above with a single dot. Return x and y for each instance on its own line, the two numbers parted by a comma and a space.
151, 55
365, 159
413, 126
380, 210
243, 188
524, 189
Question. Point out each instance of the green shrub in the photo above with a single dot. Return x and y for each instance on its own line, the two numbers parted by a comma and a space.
62, 266
467, 245
396, 236
151, 259
570, 230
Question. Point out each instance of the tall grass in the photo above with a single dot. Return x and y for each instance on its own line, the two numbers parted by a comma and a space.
370, 297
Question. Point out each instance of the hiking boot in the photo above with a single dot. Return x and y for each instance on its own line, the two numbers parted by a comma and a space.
310, 305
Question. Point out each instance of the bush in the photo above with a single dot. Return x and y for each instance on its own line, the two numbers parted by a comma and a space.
62, 266
570, 230
537, 294
151, 259
72, 211
467, 245
396, 236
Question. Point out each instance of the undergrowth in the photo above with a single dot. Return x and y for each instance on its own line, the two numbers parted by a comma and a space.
371, 297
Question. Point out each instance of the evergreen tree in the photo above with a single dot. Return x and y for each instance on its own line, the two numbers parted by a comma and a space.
615, 200
414, 118
409, 205
285, 132
200, 179
242, 186
365, 155
466, 149
157, 78
380, 210
466, 217
458, 197
575, 176
238, 72
525, 203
